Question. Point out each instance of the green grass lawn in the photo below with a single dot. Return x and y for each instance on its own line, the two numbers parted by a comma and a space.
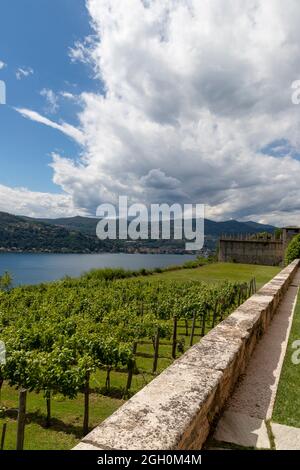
287, 405
219, 272
67, 415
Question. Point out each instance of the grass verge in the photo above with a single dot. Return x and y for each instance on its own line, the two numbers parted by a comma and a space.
287, 405
220, 272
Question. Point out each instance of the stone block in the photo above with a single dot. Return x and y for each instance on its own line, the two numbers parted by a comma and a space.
159, 416
286, 437
242, 430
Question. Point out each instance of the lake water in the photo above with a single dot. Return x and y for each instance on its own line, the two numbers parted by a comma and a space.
28, 268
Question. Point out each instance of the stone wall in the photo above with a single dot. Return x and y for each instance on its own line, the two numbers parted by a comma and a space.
288, 233
177, 409
267, 252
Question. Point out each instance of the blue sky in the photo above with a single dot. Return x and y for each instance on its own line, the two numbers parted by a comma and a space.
37, 35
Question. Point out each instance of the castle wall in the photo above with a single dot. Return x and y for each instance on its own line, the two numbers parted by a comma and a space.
288, 233
266, 252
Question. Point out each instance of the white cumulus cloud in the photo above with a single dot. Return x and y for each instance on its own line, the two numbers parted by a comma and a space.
52, 100
23, 72
22, 201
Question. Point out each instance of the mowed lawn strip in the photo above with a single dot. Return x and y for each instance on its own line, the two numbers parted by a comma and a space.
220, 272
287, 405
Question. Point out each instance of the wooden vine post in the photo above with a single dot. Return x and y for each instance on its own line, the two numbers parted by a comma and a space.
193, 329
186, 327
131, 367
245, 291
215, 314
174, 344
48, 406
252, 288
203, 324
239, 296
86, 404
21, 419
156, 350
3, 436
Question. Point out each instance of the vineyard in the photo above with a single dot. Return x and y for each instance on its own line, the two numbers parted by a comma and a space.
101, 337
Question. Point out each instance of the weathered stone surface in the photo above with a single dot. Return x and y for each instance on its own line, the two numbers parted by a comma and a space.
227, 357
87, 446
242, 430
160, 414
286, 437
212, 354
226, 332
177, 409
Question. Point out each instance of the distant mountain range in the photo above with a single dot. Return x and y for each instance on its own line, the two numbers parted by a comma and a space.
78, 235
88, 225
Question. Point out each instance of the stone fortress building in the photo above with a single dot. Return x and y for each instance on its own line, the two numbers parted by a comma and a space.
266, 249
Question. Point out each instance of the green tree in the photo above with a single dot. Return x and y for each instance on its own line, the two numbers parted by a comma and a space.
6, 281
293, 250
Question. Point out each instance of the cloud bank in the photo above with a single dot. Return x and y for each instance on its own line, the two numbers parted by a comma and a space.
197, 96
21, 201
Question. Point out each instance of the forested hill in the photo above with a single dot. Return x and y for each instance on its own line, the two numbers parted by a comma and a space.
24, 234
78, 235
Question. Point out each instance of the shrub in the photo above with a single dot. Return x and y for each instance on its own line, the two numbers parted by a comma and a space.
145, 272
158, 270
190, 265
108, 274
5, 281
172, 267
293, 250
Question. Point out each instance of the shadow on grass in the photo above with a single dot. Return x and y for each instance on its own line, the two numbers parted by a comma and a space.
112, 392
39, 418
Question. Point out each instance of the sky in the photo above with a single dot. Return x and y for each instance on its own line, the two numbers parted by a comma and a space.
185, 101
